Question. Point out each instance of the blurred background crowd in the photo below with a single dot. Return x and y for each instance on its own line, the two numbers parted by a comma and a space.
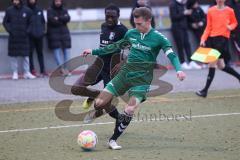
29, 22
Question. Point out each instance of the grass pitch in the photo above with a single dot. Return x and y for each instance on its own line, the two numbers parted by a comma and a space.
171, 127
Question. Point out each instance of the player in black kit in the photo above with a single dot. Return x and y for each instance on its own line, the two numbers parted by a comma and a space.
112, 30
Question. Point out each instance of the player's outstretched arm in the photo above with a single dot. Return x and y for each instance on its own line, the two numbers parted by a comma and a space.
109, 49
175, 62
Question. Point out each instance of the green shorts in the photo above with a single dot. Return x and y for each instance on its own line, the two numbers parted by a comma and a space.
134, 79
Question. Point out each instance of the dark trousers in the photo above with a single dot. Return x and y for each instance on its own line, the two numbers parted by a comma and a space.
182, 41
37, 44
198, 34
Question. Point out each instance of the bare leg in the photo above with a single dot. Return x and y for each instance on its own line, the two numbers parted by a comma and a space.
102, 103
90, 77
80, 88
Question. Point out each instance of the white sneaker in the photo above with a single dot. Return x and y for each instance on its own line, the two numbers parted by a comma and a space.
28, 75
113, 145
15, 76
185, 66
194, 65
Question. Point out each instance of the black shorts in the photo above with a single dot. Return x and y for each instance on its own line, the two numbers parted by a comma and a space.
219, 43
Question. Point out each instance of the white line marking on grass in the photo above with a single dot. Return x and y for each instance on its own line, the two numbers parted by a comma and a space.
55, 127
105, 123
151, 100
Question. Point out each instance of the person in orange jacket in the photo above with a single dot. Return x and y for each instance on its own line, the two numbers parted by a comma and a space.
221, 20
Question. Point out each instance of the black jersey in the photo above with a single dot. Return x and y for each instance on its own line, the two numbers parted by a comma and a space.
108, 36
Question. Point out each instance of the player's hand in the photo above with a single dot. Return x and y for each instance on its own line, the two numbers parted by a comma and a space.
202, 44
187, 12
229, 27
181, 75
86, 52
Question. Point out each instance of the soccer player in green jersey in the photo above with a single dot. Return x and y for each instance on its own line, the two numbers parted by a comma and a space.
136, 74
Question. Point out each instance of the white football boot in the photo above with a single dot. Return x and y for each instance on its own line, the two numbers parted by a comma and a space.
113, 145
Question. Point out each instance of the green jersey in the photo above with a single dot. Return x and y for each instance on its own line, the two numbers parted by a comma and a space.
145, 47
136, 75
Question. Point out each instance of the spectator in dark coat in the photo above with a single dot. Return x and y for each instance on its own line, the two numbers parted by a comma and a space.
17, 22
37, 29
178, 15
58, 33
197, 19
141, 3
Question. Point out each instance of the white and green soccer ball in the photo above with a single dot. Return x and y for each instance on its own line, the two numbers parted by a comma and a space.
87, 139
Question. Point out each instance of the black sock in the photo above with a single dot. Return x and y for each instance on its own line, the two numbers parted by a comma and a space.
114, 114
231, 71
121, 124
211, 74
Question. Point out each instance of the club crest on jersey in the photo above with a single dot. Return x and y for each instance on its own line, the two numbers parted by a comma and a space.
111, 36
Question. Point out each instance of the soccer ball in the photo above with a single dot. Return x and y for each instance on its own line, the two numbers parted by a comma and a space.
87, 140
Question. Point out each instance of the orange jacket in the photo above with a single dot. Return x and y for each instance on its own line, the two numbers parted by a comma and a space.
217, 21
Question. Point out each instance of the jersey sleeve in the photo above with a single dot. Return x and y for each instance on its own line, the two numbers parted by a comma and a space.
166, 46
174, 60
164, 42
233, 21
208, 28
114, 47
